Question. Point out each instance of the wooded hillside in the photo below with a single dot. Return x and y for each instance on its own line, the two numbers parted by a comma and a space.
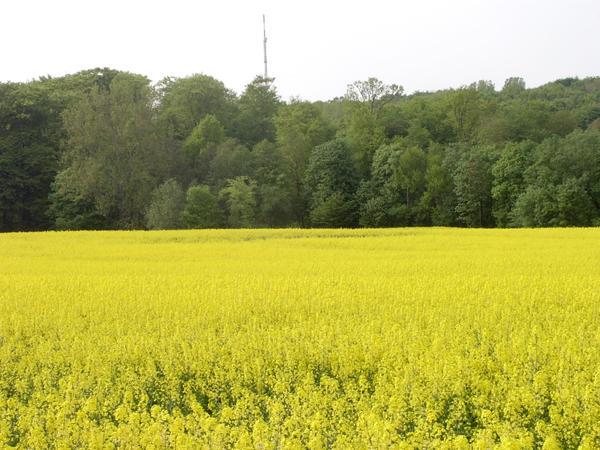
103, 149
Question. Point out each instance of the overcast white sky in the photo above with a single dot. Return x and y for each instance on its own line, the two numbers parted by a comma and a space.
315, 48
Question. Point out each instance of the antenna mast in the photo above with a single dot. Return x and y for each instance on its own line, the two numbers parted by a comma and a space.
265, 45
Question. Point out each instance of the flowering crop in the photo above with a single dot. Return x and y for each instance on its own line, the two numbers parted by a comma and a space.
409, 338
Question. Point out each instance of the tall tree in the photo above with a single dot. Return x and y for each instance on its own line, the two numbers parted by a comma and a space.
466, 113
473, 187
364, 135
231, 159
166, 206
563, 187
258, 105
184, 102
410, 173
299, 129
525, 120
364, 132
201, 209
71, 209
331, 181
430, 113
199, 149
112, 151
439, 197
509, 180
30, 137
513, 86
275, 191
30, 132
240, 197
373, 93
380, 197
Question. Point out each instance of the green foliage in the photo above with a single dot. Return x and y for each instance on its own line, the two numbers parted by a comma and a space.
201, 209
200, 147
334, 211
509, 181
88, 150
364, 134
299, 128
513, 86
410, 172
29, 139
31, 133
165, 209
184, 102
231, 160
430, 113
269, 165
331, 171
208, 132
381, 196
485, 86
71, 210
534, 208
562, 122
364, 131
595, 125
465, 113
563, 183
258, 106
525, 120
275, 190
240, 196
393, 195
274, 206
473, 187
439, 197
112, 151
373, 93
25, 174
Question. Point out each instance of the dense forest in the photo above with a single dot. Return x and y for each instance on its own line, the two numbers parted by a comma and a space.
104, 149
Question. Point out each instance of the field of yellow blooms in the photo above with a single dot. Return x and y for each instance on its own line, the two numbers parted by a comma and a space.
428, 338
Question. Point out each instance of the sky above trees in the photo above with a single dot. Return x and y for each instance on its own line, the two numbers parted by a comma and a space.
315, 48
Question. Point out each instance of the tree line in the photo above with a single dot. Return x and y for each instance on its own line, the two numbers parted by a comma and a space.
104, 149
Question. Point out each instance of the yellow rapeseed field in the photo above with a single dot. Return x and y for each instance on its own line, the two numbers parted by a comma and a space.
405, 338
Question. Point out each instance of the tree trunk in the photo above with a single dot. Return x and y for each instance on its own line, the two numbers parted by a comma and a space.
480, 213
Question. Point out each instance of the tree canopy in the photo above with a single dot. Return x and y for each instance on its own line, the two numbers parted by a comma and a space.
108, 149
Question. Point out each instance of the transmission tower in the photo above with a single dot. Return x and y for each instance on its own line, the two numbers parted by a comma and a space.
265, 46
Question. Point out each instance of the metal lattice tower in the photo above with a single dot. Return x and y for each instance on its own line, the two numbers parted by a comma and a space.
265, 45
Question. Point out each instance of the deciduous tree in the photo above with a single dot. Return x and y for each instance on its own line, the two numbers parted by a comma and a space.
166, 206
112, 151
240, 196
201, 209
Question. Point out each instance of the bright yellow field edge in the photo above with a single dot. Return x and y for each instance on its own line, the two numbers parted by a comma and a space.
412, 337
